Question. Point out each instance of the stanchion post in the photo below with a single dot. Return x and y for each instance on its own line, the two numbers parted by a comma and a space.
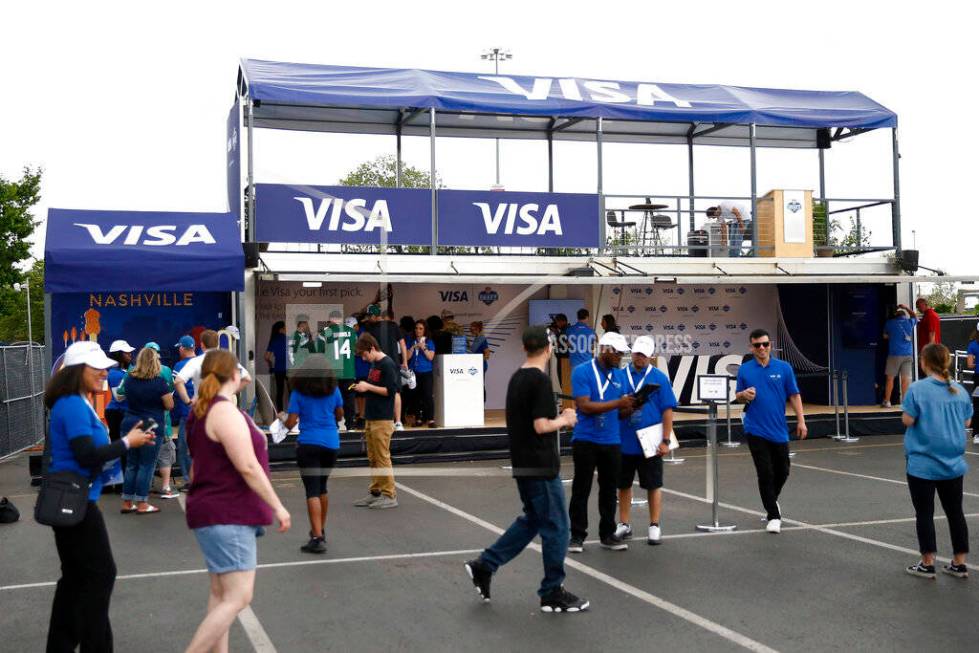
836, 402
730, 442
715, 526
845, 437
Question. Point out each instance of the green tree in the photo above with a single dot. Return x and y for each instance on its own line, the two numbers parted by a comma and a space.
383, 172
943, 297
17, 223
13, 325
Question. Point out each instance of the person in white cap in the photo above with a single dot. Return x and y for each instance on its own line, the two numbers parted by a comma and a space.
122, 353
972, 356
599, 389
656, 409
80, 443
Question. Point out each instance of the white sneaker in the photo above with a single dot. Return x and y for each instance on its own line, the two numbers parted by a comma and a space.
886, 404
774, 526
398, 426
623, 531
777, 505
975, 439
654, 536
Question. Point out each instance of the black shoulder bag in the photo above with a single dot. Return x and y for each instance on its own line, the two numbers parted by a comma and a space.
63, 499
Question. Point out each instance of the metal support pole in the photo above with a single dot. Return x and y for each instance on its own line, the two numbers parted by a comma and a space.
601, 196
30, 360
896, 206
822, 174
859, 227
845, 437
690, 183
836, 403
730, 443
715, 526
435, 222
754, 190
397, 168
251, 172
550, 161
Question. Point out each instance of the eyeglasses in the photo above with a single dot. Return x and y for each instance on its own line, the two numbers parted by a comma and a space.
759, 345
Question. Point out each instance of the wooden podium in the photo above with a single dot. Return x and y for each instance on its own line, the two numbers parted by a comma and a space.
785, 224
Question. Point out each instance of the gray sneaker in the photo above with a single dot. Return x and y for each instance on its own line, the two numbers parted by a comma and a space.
367, 501
383, 502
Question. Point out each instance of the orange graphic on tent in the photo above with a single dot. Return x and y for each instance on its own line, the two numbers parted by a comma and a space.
66, 338
92, 326
74, 334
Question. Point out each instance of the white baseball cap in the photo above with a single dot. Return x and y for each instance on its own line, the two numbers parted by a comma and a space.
614, 340
121, 345
87, 353
351, 321
232, 331
644, 345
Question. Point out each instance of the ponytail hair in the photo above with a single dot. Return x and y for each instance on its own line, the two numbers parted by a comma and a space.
937, 359
218, 368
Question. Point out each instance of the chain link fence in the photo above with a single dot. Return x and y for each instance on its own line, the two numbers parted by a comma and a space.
22, 378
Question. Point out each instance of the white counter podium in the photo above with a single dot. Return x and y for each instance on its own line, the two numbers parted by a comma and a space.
458, 390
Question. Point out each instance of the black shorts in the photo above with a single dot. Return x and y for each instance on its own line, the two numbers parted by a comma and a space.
650, 471
315, 464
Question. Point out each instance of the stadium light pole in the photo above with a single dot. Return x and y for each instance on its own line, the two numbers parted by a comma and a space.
496, 55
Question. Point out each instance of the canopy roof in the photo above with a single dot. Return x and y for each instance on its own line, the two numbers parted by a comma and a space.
87, 251
308, 97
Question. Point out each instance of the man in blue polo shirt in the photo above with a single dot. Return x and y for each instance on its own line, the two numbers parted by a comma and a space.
764, 385
581, 340
599, 389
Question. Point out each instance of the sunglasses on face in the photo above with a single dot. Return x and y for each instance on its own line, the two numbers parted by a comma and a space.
760, 345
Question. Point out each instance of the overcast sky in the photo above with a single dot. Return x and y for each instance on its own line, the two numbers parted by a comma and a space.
124, 105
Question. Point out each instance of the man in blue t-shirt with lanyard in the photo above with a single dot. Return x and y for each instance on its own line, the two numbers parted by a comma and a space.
599, 389
764, 385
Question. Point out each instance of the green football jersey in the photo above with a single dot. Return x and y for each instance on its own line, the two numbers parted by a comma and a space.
340, 342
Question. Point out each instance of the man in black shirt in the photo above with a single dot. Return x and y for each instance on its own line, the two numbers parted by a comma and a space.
532, 424
380, 388
390, 340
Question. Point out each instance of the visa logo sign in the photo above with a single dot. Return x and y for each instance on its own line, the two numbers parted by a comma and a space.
454, 295
540, 88
160, 235
531, 222
346, 215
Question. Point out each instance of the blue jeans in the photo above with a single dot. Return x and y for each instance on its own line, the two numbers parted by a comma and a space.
735, 238
140, 465
544, 514
183, 453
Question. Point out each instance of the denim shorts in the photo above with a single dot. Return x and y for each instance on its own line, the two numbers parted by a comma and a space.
229, 547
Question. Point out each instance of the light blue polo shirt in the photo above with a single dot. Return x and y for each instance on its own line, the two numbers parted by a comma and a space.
72, 417
603, 428
773, 384
900, 336
935, 445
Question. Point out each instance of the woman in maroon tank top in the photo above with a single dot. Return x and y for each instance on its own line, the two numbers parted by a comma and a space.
231, 498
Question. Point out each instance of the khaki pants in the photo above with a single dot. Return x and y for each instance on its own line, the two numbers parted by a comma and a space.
378, 434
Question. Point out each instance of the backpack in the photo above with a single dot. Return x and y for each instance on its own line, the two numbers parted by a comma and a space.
8, 512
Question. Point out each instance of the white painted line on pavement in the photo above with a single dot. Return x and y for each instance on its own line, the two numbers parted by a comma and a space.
671, 608
866, 476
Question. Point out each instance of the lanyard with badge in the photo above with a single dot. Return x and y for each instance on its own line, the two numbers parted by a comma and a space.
600, 419
636, 417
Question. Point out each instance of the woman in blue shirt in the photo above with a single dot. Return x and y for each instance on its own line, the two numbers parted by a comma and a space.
315, 403
148, 397
422, 354
80, 443
277, 357
936, 411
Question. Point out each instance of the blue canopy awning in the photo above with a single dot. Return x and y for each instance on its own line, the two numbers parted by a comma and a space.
87, 251
379, 100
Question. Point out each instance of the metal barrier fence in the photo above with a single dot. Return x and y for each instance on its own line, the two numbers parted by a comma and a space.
22, 379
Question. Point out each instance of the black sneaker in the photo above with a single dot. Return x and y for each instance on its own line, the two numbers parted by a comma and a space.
481, 578
959, 571
922, 570
561, 600
614, 543
576, 545
315, 545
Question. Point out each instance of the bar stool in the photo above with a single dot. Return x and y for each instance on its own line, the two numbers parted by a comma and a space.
612, 220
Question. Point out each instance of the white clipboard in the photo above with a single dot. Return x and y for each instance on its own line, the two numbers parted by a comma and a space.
651, 437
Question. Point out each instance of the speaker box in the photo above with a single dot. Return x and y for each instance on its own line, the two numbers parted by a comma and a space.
585, 271
823, 141
251, 255
908, 258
